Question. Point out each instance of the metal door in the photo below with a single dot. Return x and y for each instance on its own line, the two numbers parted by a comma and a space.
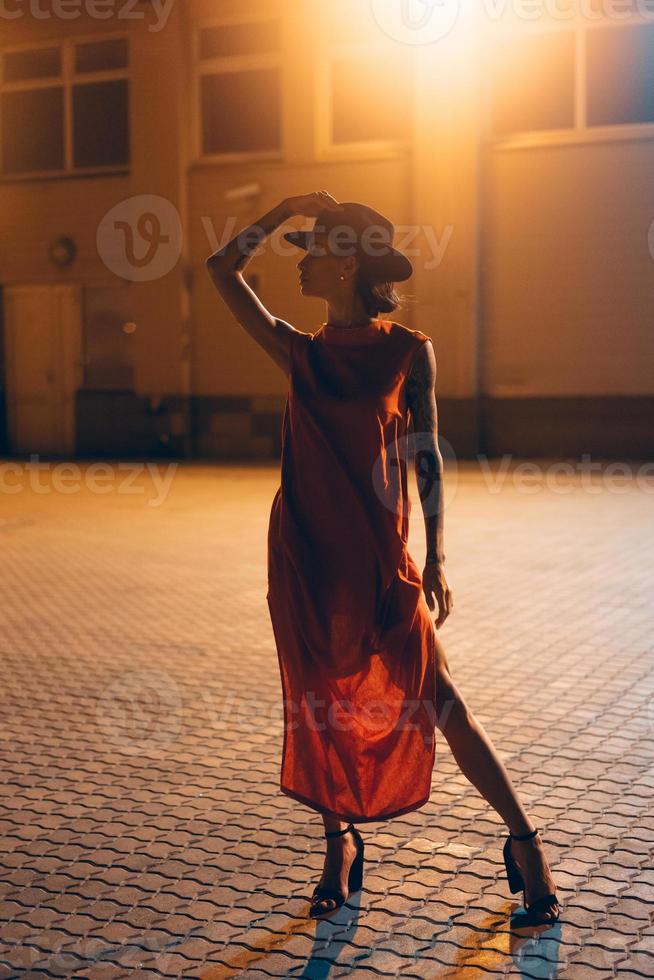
43, 367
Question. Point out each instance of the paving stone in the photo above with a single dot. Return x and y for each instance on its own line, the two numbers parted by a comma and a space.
438, 959
599, 958
639, 962
157, 844
102, 971
626, 974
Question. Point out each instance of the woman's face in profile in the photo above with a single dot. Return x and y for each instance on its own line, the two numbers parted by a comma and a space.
320, 269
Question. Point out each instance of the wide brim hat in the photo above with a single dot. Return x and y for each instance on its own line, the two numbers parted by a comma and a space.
358, 230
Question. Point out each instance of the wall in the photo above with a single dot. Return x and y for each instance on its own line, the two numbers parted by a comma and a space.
33, 213
568, 303
540, 309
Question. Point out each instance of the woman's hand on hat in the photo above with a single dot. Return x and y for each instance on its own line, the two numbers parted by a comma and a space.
310, 205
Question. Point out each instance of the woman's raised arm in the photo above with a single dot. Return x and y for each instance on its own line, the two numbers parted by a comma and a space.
226, 266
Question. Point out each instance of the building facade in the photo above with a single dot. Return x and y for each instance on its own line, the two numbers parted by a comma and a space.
514, 154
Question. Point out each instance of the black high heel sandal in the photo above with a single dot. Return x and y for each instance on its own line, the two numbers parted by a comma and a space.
516, 883
354, 881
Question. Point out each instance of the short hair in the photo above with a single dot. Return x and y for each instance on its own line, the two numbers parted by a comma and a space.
377, 297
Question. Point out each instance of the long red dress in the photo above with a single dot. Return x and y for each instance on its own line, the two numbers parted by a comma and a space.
354, 635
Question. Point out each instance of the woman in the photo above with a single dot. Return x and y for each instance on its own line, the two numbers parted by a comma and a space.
365, 677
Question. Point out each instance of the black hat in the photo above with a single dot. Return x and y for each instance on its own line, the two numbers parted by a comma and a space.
359, 230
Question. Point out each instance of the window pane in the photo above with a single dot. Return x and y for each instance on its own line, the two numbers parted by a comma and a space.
230, 39
533, 83
371, 98
600, 8
23, 65
32, 130
241, 111
621, 75
100, 124
101, 55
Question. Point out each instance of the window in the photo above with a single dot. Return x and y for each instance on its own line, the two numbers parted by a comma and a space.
370, 80
239, 88
20, 66
533, 83
573, 80
100, 124
254, 37
105, 55
38, 145
371, 98
620, 80
64, 108
240, 111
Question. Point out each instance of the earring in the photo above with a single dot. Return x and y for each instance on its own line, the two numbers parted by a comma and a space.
342, 277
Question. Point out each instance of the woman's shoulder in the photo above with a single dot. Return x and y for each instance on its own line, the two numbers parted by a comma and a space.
300, 338
301, 335
417, 337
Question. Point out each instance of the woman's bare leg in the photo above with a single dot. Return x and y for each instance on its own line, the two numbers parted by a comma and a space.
341, 852
478, 761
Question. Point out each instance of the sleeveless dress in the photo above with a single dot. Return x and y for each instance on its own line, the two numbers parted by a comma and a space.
354, 635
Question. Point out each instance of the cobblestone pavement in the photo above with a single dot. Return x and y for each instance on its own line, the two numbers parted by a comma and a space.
143, 831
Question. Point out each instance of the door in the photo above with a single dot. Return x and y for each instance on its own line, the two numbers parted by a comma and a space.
43, 365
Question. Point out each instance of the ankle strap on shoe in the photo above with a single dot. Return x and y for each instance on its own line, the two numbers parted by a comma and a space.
525, 836
339, 833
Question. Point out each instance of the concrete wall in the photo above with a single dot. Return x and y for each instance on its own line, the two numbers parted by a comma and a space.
540, 307
33, 213
567, 328
569, 298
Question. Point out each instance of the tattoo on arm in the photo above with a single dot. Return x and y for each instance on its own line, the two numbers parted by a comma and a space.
421, 401
420, 390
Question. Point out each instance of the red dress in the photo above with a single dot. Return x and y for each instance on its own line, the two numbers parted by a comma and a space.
354, 635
